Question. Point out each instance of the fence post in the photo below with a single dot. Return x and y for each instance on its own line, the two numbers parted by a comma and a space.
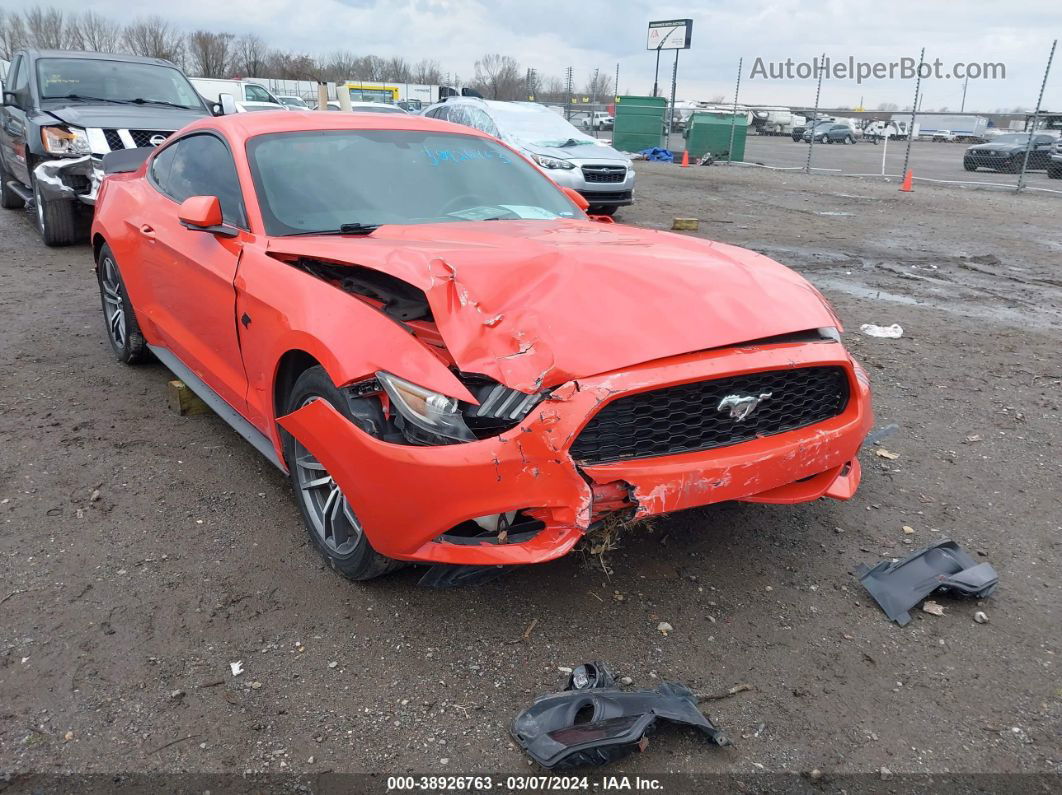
733, 117
1036, 117
914, 113
815, 114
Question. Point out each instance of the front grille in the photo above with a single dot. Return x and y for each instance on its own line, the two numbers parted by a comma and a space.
140, 137
594, 196
604, 173
114, 141
143, 137
686, 418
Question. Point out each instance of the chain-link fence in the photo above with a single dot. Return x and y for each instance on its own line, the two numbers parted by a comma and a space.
904, 142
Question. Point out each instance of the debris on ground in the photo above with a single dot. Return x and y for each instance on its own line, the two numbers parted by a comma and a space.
881, 452
236, 667
684, 225
981, 617
658, 153
893, 332
897, 586
879, 435
908, 530
663, 628
931, 607
599, 723
730, 691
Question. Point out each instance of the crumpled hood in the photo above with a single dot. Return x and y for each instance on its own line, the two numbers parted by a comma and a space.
136, 117
538, 303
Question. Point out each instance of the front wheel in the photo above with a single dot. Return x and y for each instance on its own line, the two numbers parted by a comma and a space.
9, 200
849, 140
1054, 172
825, 139
969, 165
329, 517
56, 219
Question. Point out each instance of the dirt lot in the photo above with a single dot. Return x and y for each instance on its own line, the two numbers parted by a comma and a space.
142, 552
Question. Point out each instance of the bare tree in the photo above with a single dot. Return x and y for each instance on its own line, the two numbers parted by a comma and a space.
94, 33
369, 67
340, 65
498, 77
249, 55
599, 87
551, 89
426, 72
154, 37
210, 54
888, 106
45, 28
292, 66
13, 34
396, 70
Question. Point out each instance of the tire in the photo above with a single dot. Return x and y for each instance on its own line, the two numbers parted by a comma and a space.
9, 200
57, 221
825, 139
969, 165
849, 140
1013, 167
119, 318
1054, 172
323, 507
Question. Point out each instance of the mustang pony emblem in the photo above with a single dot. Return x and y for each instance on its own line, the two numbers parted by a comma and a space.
741, 406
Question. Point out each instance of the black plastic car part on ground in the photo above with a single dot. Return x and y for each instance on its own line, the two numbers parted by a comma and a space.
898, 586
597, 725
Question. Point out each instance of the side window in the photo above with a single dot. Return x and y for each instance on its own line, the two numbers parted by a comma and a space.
438, 113
479, 119
161, 165
253, 93
202, 166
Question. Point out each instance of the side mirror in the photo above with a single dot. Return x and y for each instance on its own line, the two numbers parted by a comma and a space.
578, 198
228, 104
10, 99
203, 214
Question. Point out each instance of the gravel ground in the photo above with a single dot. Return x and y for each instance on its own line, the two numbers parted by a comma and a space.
141, 552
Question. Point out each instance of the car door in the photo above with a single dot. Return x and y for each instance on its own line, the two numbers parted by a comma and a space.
190, 273
1041, 152
13, 120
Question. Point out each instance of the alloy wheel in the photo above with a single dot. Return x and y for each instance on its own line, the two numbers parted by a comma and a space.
329, 510
113, 302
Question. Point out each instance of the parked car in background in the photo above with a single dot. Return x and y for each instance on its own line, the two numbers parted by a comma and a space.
570, 157
596, 120
63, 111
293, 102
830, 132
240, 90
1007, 153
1054, 164
367, 107
451, 362
242, 106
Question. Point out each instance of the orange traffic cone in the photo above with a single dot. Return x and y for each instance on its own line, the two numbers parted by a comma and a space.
907, 187
685, 159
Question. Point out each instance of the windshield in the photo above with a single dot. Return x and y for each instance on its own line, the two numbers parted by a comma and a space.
1011, 138
317, 181
536, 125
293, 102
114, 81
376, 107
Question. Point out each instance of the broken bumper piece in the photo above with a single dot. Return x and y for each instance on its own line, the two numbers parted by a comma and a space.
409, 499
70, 179
898, 586
595, 726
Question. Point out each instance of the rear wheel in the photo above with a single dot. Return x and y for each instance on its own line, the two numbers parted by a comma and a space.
56, 219
825, 139
1054, 172
848, 139
329, 517
123, 332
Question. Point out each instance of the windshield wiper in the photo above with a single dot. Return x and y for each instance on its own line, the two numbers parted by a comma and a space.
344, 229
84, 98
142, 101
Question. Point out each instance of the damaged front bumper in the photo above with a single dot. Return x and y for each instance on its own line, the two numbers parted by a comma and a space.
70, 179
407, 498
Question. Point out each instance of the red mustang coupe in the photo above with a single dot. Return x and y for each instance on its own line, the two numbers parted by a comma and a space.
454, 364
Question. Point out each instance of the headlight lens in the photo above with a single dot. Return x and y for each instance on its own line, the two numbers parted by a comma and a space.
426, 409
65, 141
552, 162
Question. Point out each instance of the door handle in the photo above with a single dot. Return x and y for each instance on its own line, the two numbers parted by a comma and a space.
147, 231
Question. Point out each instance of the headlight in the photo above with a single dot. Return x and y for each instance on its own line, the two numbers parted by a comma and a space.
426, 409
552, 162
65, 141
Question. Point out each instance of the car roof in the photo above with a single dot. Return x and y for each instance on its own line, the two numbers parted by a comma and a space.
241, 126
98, 56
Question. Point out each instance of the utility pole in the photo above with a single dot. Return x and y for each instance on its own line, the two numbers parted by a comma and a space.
671, 107
593, 87
569, 74
965, 85
615, 88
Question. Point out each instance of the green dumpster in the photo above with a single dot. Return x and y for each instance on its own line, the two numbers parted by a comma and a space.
639, 123
710, 132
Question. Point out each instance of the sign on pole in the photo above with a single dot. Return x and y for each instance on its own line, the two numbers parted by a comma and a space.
670, 34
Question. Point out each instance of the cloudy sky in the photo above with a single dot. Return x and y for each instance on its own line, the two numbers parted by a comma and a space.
553, 34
